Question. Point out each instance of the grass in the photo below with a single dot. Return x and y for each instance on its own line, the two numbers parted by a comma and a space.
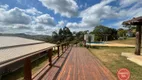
112, 59
130, 41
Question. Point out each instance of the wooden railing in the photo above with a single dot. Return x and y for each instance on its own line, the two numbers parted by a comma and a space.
27, 61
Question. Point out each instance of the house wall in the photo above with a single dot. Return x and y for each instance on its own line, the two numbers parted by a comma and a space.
86, 37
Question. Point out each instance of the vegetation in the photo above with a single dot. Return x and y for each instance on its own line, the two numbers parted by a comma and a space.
101, 32
130, 41
112, 59
121, 32
131, 31
65, 35
109, 56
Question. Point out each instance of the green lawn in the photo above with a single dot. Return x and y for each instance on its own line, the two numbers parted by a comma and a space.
130, 41
112, 59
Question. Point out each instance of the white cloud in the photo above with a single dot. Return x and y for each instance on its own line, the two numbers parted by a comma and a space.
33, 21
22, 27
78, 27
44, 29
135, 10
33, 11
40, 28
5, 6
126, 3
73, 25
45, 19
61, 23
30, 21
93, 15
126, 14
102, 11
14, 16
66, 8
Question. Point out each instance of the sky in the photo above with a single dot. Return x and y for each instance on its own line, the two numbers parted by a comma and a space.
46, 16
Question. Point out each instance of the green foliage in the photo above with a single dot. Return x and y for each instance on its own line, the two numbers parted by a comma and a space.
101, 32
81, 44
55, 36
64, 35
80, 35
121, 32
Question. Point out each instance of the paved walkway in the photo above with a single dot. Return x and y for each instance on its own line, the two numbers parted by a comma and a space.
134, 58
82, 65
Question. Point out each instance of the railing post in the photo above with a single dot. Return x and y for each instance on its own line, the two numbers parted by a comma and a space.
50, 56
58, 51
62, 48
65, 47
27, 69
68, 45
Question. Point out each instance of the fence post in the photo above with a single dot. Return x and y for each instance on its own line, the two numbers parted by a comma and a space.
50, 56
27, 69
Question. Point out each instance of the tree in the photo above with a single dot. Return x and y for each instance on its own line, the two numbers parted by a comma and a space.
64, 35
60, 33
80, 35
121, 32
102, 33
67, 34
55, 36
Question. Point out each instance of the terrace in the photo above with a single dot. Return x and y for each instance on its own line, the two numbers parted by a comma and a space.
71, 62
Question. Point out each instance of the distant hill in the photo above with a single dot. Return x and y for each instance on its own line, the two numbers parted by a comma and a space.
46, 38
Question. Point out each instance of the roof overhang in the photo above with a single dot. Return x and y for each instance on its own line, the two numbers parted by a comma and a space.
134, 21
15, 49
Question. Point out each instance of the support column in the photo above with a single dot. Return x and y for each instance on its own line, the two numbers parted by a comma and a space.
27, 69
50, 56
138, 40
